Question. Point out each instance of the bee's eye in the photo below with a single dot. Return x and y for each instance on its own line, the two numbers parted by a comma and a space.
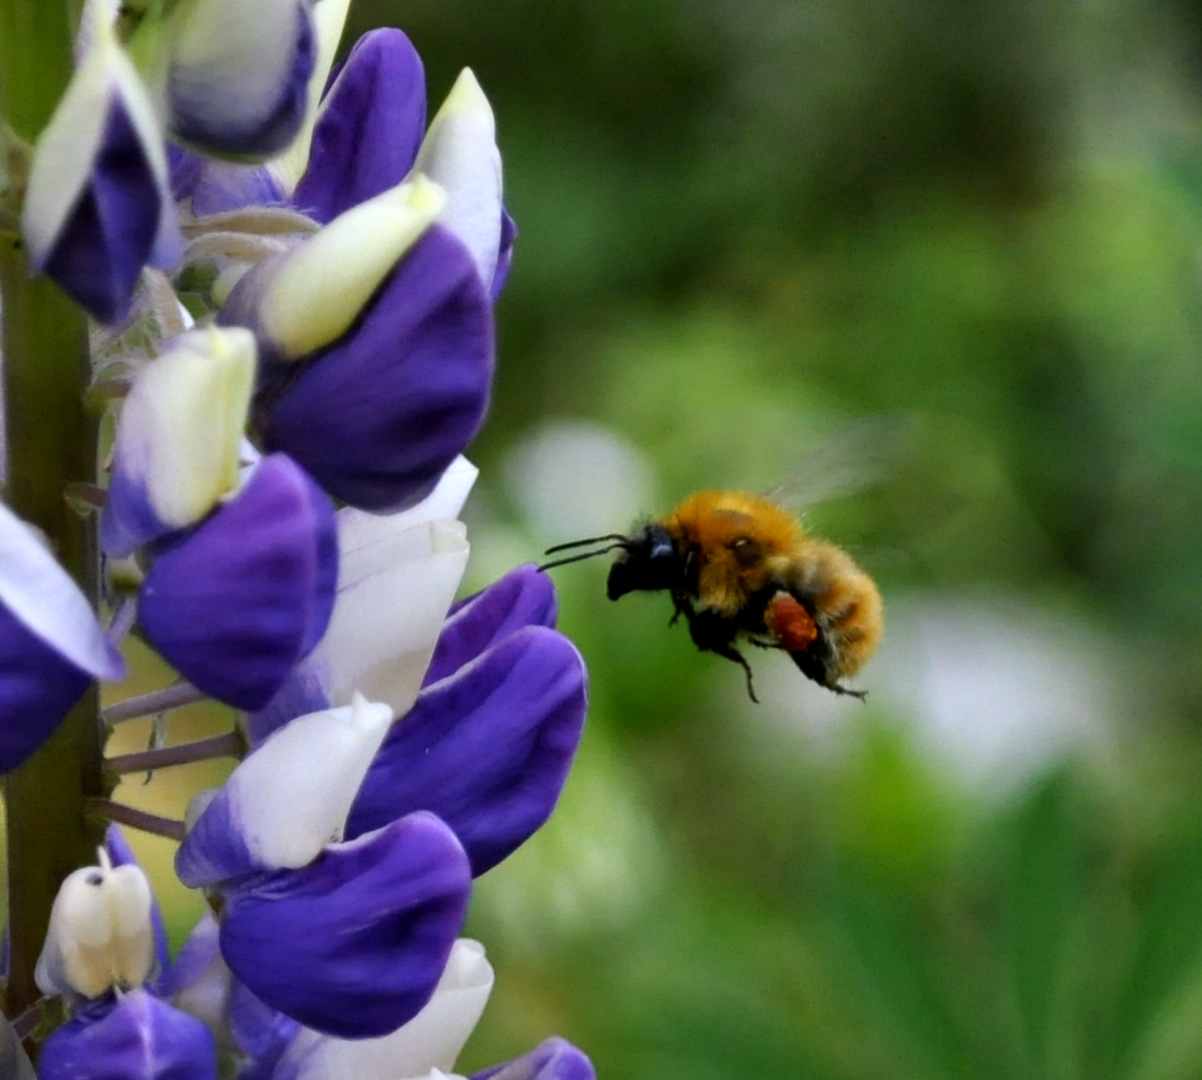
746, 550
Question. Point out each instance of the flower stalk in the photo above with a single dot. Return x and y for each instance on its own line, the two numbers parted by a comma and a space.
101, 811
51, 442
229, 745
151, 703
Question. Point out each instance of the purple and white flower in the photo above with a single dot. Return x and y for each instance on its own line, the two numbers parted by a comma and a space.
179, 438
378, 343
99, 204
370, 922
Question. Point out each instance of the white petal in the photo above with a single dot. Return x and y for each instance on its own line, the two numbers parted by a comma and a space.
96, 13
41, 595
320, 288
181, 426
206, 995
14, 1064
100, 933
394, 589
460, 153
291, 797
443, 503
232, 56
430, 1042
63, 157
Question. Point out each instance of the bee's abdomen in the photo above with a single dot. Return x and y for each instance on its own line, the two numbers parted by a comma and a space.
846, 604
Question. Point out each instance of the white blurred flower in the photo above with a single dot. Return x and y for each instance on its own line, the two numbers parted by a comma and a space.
575, 478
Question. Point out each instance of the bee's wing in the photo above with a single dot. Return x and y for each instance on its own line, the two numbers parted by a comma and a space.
856, 457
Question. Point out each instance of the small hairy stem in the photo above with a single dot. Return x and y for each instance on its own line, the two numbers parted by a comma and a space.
85, 498
229, 745
157, 701
28, 1022
142, 820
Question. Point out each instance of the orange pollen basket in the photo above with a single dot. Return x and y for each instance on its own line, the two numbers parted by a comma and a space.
790, 623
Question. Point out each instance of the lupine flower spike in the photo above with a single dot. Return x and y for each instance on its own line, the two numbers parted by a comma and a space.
299, 280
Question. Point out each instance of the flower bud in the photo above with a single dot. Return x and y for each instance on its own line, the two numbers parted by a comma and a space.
177, 446
237, 74
99, 205
100, 935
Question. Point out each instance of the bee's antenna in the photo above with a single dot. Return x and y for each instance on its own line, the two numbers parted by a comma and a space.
580, 558
590, 540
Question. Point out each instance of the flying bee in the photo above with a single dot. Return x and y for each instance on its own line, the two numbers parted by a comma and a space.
738, 565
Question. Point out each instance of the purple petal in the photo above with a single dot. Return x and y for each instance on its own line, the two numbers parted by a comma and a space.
131, 1037
51, 646
211, 186
379, 416
128, 520
213, 106
509, 234
37, 689
354, 944
370, 128
195, 958
303, 692
184, 169
114, 228
235, 603
487, 750
122, 854
523, 597
555, 1059
224, 186
260, 1032
215, 851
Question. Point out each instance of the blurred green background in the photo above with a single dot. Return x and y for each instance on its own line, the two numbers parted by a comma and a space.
745, 226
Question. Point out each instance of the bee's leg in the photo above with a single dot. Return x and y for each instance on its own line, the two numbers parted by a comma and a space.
729, 652
681, 605
835, 688
765, 643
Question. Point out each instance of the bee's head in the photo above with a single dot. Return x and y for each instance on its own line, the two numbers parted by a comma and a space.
648, 562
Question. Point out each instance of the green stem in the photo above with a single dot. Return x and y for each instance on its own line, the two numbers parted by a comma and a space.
35, 60
51, 442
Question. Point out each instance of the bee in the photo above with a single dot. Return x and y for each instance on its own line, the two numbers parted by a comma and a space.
737, 565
